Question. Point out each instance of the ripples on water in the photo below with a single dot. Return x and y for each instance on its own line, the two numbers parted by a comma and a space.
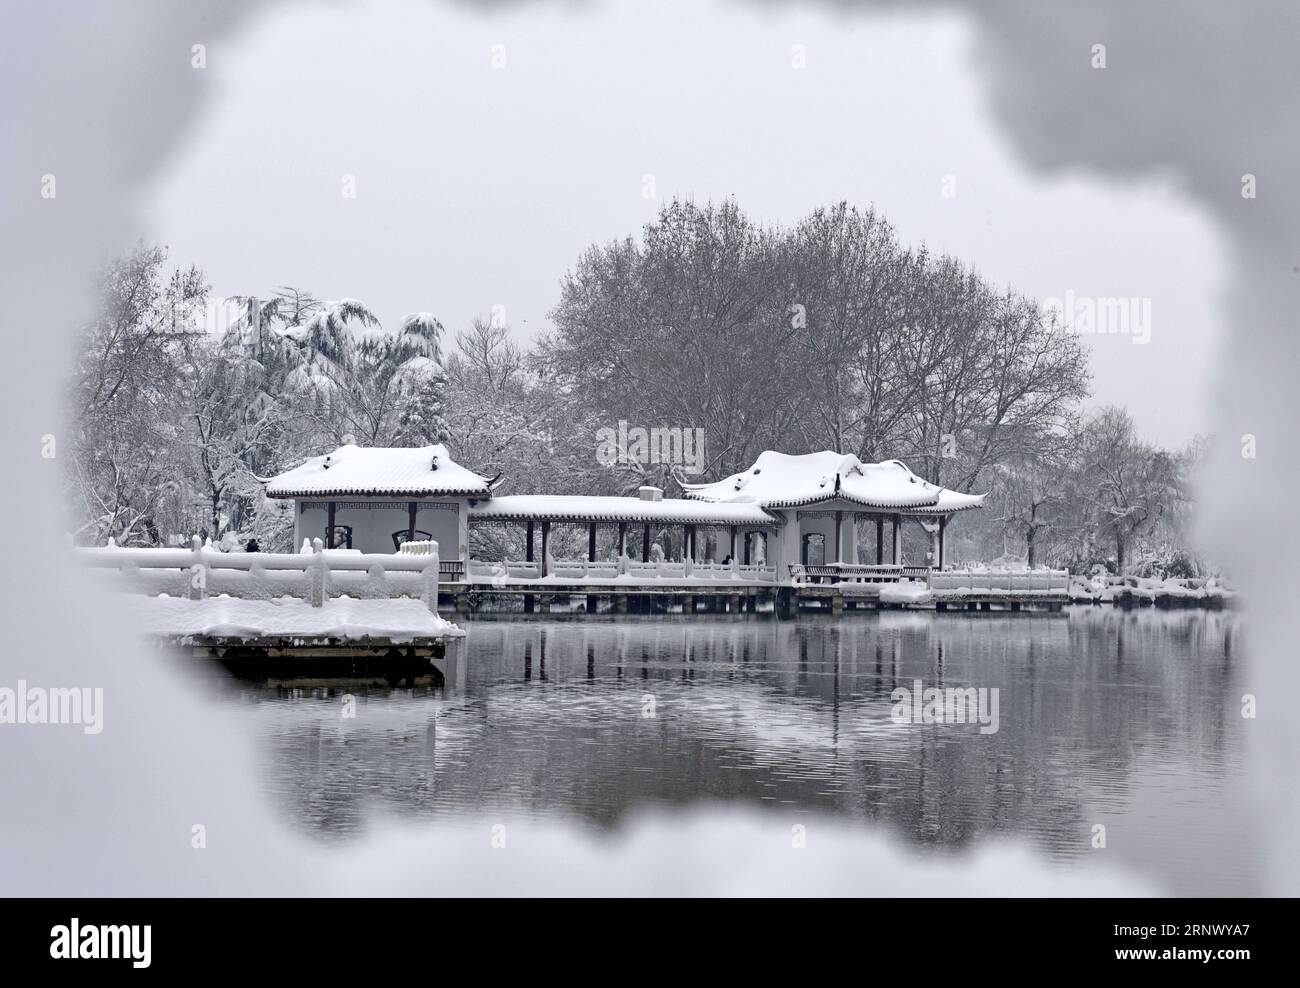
1129, 720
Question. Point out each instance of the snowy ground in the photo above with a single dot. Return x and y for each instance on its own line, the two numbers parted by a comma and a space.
399, 620
1084, 589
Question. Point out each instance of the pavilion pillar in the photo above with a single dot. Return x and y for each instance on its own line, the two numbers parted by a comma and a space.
529, 551
898, 548
880, 539
943, 524
688, 543
591, 542
546, 545
329, 526
839, 528
411, 509
645, 545
747, 535
732, 554
622, 538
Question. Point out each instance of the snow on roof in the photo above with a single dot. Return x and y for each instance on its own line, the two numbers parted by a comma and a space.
577, 507
950, 501
779, 480
380, 472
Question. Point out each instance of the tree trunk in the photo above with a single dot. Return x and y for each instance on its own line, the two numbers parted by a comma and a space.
216, 515
1030, 549
1119, 553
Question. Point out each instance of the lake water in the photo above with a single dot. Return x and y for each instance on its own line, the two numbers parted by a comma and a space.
1131, 721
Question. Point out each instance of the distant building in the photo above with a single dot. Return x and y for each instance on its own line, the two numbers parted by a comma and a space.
783, 510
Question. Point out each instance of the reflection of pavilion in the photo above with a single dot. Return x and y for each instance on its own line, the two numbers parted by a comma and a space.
784, 510
797, 715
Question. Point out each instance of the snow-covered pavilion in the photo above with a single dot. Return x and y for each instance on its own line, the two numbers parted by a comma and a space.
374, 499
781, 511
823, 497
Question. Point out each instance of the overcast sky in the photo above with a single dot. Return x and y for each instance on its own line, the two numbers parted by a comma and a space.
479, 186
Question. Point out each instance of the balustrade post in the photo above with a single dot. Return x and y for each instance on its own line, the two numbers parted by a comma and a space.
318, 590
198, 571
429, 579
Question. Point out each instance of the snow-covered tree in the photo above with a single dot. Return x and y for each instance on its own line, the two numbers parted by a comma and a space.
125, 399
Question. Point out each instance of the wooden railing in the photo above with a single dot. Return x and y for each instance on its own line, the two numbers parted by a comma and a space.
827, 573
609, 569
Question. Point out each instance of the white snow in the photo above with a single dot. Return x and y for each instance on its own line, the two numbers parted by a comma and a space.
905, 592
578, 507
779, 480
359, 471
399, 620
1107, 588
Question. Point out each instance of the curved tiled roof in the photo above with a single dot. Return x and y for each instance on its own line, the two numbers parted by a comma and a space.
577, 507
781, 480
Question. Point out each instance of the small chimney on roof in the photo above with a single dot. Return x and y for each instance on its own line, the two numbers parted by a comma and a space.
650, 493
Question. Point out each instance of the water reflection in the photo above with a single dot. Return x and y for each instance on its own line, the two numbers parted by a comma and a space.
1127, 720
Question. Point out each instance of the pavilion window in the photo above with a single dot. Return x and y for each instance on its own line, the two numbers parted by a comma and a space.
340, 537
813, 551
